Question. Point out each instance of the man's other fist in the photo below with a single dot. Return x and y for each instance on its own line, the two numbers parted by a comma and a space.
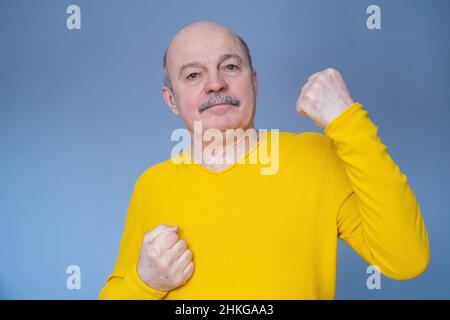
165, 263
324, 97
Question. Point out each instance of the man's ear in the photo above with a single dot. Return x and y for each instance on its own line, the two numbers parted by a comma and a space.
169, 99
255, 82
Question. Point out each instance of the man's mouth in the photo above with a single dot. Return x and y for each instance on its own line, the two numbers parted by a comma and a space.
201, 109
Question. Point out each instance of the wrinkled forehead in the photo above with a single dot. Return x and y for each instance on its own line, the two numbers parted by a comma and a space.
203, 47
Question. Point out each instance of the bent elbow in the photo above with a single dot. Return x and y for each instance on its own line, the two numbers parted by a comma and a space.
413, 268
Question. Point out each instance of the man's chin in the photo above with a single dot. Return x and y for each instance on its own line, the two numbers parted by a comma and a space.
220, 123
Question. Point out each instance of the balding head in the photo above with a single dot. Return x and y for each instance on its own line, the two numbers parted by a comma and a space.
199, 30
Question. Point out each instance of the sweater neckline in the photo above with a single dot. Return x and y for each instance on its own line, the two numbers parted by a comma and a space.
263, 136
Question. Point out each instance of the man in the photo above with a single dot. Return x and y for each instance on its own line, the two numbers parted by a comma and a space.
253, 235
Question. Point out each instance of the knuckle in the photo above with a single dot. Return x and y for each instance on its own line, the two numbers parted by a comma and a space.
151, 246
305, 98
163, 264
168, 237
177, 279
321, 77
182, 244
302, 92
191, 269
309, 96
157, 229
187, 277
147, 238
171, 273
335, 74
311, 77
150, 255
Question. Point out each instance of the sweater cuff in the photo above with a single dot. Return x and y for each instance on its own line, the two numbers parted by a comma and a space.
139, 289
349, 112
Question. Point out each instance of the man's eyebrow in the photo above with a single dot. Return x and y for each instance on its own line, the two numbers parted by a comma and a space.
227, 56
190, 65
222, 58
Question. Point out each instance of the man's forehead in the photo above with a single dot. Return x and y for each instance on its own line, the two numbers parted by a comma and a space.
213, 56
207, 42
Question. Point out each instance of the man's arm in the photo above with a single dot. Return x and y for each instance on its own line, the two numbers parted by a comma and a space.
149, 264
378, 215
124, 282
380, 219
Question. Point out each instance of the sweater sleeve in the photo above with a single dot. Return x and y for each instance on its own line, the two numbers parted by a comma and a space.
378, 216
124, 282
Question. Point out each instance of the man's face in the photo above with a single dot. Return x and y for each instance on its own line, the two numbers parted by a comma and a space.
211, 79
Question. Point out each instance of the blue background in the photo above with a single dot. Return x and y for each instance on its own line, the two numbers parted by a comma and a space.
81, 116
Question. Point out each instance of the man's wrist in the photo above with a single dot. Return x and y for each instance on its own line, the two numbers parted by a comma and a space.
341, 117
139, 289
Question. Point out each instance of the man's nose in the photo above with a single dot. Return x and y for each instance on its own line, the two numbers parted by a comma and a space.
215, 83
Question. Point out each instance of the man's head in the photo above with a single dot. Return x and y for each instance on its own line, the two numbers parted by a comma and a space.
209, 77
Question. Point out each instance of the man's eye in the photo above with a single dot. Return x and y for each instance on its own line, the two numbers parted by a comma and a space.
192, 76
231, 67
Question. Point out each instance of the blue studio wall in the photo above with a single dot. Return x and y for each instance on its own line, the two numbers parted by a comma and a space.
81, 116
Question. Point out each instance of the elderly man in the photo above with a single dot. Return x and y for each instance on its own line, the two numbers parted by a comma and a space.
262, 236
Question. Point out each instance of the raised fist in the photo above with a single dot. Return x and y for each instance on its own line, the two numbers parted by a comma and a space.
324, 97
165, 263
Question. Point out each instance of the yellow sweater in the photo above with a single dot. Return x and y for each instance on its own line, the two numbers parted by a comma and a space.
257, 236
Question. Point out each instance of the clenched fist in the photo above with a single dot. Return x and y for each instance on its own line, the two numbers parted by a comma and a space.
165, 263
324, 97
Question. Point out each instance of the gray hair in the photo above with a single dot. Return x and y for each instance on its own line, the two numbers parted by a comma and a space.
167, 81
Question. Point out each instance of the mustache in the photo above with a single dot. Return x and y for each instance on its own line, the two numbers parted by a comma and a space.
219, 98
